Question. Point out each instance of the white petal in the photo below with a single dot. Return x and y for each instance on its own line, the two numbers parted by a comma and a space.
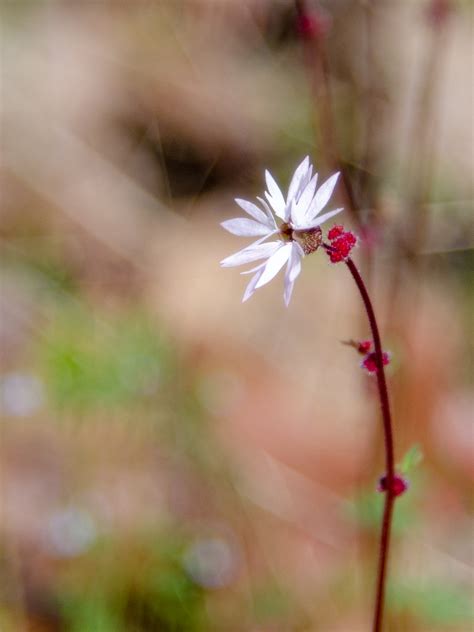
299, 174
268, 211
292, 271
252, 286
275, 196
317, 221
305, 180
252, 270
298, 213
251, 253
322, 196
280, 209
253, 211
275, 264
246, 227
289, 285
294, 262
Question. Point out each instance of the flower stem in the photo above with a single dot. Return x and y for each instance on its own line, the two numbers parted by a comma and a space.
389, 453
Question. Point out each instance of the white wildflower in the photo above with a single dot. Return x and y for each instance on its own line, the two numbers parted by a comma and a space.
295, 222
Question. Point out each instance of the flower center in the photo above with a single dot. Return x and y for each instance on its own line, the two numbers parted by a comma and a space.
286, 232
309, 238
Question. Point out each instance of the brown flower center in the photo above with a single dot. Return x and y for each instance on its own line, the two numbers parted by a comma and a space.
309, 239
286, 232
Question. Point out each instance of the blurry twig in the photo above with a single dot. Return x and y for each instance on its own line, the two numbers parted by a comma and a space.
421, 161
370, 116
318, 68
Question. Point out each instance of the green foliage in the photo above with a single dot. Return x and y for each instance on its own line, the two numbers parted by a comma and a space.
173, 599
91, 613
89, 363
8, 621
272, 603
138, 586
412, 458
368, 511
433, 603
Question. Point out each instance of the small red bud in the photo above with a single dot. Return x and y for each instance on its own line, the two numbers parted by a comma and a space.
336, 257
369, 363
336, 231
351, 239
312, 25
399, 485
364, 346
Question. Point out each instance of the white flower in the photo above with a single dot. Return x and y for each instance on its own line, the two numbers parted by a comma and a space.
295, 221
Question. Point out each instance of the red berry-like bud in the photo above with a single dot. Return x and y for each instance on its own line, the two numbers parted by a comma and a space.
335, 257
336, 231
342, 243
305, 26
369, 363
364, 346
312, 25
399, 485
351, 239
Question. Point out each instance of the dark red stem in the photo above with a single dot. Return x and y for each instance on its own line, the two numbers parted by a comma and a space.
389, 454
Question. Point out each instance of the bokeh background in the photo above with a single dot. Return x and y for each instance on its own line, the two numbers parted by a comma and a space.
173, 460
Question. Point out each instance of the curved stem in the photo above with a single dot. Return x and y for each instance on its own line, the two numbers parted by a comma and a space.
389, 452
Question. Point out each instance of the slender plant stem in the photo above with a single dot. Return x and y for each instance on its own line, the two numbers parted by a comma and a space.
317, 64
389, 452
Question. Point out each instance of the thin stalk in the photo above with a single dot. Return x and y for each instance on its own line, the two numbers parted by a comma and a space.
389, 452
317, 64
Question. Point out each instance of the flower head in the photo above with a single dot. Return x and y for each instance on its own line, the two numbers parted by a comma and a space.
294, 221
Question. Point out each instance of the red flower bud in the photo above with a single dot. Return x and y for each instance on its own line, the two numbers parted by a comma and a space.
336, 231
342, 243
399, 485
312, 25
369, 363
364, 346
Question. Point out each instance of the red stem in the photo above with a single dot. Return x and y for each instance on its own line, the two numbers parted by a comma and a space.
389, 453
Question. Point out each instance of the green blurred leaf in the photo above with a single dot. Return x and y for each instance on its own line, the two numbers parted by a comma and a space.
89, 363
368, 511
271, 603
433, 602
85, 615
411, 460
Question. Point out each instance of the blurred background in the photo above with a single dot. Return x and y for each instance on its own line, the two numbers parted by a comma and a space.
173, 460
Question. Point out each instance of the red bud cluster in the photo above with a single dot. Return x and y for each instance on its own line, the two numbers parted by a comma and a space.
342, 243
369, 363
